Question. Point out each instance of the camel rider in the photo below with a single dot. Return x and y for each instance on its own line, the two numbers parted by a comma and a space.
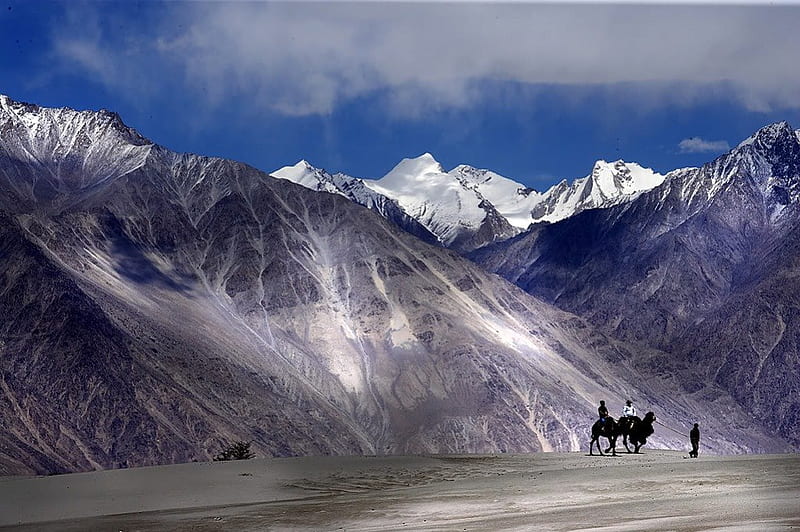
628, 413
602, 411
628, 410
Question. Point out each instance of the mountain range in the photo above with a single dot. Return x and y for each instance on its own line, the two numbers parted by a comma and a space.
467, 208
156, 305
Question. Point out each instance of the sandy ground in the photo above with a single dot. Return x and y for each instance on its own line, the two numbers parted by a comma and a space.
657, 490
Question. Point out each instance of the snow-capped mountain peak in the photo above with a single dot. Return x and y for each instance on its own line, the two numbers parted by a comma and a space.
32, 134
437, 199
775, 147
303, 173
609, 184
465, 202
619, 177
412, 170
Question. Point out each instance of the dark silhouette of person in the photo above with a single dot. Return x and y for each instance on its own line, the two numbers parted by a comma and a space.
694, 437
602, 411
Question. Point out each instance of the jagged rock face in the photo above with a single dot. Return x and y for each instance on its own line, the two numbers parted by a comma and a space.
700, 267
156, 309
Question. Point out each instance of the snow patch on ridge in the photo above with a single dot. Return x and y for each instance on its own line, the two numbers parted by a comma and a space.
511, 199
306, 175
434, 198
88, 148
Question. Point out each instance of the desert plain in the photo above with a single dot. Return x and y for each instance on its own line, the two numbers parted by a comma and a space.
655, 490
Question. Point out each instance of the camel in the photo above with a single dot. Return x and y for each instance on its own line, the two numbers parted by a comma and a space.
606, 429
636, 430
631, 429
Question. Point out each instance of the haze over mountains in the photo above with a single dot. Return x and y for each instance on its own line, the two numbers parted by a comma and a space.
157, 305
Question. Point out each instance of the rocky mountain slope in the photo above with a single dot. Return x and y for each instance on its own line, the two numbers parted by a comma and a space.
703, 267
157, 305
467, 208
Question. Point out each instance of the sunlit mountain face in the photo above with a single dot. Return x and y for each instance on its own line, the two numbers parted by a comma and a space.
157, 305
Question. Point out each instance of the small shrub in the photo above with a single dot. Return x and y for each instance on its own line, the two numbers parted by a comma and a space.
239, 450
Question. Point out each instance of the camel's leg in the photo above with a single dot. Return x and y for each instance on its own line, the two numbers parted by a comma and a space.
591, 445
625, 442
599, 449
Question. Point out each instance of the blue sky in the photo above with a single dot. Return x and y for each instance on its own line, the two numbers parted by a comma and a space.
536, 92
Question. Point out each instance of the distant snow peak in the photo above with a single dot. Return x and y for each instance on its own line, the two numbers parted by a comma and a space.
436, 199
512, 200
468, 205
9, 105
5, 102
414, 169
619, 177
609, 184
297, 171
774, 130
305, 174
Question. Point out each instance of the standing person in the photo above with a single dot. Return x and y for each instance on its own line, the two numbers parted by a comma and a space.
694, 437
602, 411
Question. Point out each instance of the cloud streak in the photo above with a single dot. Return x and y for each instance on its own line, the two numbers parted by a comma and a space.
307, 58
698, 145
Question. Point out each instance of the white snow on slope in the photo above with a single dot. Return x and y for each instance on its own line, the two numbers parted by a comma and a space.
449, 203
430, 195
33, 135
306, 175
511, 199
609, 184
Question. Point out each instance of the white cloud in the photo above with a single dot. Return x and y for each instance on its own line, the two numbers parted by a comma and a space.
698, 145
306, 58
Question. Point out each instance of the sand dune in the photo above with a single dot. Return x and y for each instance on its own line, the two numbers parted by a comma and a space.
657, 490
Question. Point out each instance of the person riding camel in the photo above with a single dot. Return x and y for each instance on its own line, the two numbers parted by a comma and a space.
602, 411
628, 413
628, 410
